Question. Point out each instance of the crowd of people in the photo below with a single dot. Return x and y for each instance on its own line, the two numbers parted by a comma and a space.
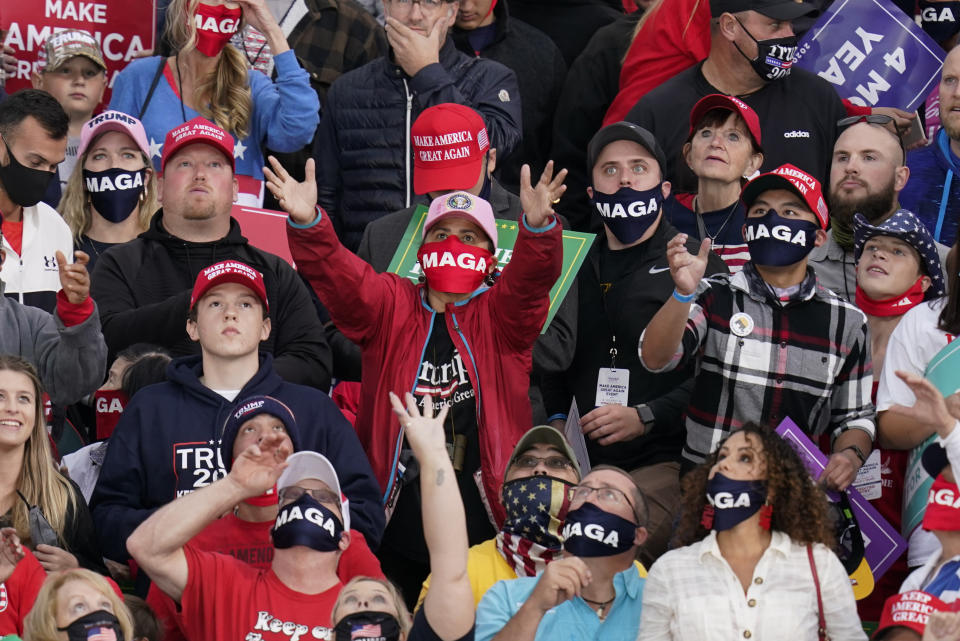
200, 439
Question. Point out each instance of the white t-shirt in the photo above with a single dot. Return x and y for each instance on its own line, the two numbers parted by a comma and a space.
65, 170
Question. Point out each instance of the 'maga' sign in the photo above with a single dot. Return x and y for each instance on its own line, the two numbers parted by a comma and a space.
873, 54
122, 27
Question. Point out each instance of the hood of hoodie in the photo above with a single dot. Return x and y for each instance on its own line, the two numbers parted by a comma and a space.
188, 252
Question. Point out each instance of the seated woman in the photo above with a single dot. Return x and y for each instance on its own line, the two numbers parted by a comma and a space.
46, 509
723, 150
112, 193
205, 77
448, 611
756, 560
78, 604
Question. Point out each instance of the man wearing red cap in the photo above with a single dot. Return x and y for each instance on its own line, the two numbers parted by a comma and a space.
143, 287
167, 442
769, 342
463, 337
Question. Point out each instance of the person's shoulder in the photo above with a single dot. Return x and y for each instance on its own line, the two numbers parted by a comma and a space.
682, 82
359, 77
142, 67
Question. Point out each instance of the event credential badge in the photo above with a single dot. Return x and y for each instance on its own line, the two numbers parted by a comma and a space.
612, 386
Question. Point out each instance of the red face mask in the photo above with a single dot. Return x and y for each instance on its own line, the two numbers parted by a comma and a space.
215, 26
943, 506
895, 306
108, 405
453, 267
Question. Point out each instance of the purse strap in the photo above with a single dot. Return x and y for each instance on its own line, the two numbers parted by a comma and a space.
821, 621
153, 87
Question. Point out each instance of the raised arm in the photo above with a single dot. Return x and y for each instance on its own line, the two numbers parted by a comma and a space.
665, 331
448, 605
157, 545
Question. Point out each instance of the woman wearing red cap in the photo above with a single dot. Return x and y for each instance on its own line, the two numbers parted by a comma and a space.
456, 336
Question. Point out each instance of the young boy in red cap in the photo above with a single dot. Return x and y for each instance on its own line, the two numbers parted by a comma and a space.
769, 341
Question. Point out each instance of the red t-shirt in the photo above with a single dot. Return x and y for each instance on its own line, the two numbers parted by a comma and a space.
226, 600
18, 593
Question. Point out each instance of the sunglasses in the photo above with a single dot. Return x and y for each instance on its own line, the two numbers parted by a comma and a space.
876, 119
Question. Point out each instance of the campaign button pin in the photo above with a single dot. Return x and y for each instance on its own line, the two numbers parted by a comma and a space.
741, 324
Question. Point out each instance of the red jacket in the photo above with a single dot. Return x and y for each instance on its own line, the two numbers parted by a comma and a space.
19, 592
387, 316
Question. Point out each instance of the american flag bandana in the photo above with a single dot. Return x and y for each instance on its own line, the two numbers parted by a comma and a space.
530, 537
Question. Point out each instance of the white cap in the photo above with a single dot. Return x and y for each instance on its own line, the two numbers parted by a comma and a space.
311, 465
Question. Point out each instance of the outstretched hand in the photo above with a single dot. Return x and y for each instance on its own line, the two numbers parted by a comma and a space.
538, 200
299, 199
930, 408
258, 467
687, 269
424, 432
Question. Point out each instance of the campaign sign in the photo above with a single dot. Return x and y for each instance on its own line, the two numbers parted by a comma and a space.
122, 27
882, 544
266, 229
575, 247
872, 53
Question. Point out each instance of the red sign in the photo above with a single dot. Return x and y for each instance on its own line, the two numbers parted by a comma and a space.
266, 229
122, 27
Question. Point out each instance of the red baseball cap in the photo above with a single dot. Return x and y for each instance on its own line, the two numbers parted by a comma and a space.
793, 179
198, 130
909, 610
449, 142
729, 103
229, 271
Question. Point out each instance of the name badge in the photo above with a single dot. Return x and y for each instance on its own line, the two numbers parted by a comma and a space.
613, 386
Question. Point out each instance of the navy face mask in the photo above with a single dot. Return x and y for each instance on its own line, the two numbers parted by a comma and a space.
114, 193
307, 522
590, 531
940, 20
734, 501
628, 213
777, 241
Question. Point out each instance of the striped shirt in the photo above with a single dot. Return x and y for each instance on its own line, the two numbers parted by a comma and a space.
762, 358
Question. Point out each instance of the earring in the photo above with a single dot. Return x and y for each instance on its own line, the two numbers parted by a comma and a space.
766, 513
491, 278
707, 519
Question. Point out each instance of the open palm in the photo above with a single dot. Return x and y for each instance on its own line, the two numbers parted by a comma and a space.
299, 199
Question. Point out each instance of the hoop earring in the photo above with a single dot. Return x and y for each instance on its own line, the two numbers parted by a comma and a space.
706, 520
766, 513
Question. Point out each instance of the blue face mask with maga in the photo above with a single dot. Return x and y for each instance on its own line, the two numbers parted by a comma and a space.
628, 213
776, 241
307, 522
734, 501
590, 531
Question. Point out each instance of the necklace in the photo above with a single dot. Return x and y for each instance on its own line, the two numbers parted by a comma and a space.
701, 226
601, 605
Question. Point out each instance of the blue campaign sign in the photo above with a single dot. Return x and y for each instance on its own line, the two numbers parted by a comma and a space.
873, 53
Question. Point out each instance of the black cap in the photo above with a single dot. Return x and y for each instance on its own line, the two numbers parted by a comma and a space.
776, 9
624, 131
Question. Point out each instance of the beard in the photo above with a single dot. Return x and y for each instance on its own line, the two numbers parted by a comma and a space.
875, 207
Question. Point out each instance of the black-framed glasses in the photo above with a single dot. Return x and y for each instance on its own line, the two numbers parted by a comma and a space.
610, 497
556, 463
876, 119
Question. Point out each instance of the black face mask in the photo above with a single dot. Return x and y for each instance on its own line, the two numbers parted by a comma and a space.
367, 626
114, 193
774, 56
940, 20
24, 186
100, 625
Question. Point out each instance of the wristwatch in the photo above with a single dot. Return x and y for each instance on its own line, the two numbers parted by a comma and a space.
646, 417
857, 451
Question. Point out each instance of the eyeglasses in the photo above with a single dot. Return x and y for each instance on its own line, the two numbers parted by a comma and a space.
610, 497
429, 4
294, 492
876, 119
557, 463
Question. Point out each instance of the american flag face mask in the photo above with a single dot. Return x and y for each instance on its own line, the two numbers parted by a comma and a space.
96, 626
367, 626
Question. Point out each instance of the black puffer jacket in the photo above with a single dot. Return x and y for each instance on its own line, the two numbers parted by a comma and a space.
364, 158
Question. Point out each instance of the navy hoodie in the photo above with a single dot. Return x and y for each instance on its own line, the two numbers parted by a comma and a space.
167, 443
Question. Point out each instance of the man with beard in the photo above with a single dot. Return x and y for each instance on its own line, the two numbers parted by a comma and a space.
934, 193
866, 177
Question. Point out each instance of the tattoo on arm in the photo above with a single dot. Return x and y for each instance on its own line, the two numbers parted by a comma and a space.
439, 477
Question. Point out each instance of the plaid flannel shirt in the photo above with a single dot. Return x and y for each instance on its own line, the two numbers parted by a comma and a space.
806, 358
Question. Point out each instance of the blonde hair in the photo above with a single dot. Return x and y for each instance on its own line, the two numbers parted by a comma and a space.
403, 615
75, 204
39, 481
224, 96
41, 623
